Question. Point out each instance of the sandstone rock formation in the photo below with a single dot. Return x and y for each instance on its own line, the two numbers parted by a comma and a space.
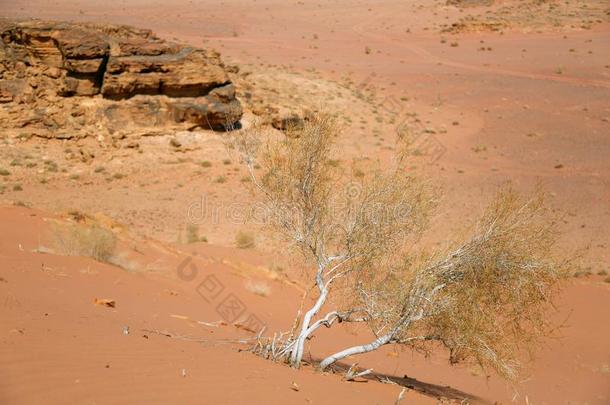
63, 76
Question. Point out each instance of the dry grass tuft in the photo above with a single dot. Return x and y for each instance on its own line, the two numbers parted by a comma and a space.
244, 240
192, 233
80, 240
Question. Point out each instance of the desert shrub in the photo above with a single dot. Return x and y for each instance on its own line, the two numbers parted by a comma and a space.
484, 298
192, 233
51, 166
84, 240
244, 240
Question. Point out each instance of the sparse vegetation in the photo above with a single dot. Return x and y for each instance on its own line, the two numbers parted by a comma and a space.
51, 166
244, 240
482, 297
192, 234
358, 173
84, 240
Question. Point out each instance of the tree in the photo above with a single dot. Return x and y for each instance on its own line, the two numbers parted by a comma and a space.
484, 299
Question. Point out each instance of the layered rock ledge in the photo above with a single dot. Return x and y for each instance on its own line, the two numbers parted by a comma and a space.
58, 75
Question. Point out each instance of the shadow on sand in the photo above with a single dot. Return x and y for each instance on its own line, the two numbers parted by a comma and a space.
429, 389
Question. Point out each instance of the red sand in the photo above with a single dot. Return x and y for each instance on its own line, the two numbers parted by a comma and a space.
528, 110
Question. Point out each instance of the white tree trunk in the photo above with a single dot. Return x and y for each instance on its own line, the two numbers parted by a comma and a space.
297, 352
374, 345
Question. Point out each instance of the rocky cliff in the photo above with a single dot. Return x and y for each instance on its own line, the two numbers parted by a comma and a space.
61, 76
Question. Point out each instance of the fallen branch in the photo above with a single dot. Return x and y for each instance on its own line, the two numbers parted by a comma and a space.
351, 374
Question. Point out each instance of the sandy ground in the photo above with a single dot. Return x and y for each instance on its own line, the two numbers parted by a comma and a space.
530, 105
168, 339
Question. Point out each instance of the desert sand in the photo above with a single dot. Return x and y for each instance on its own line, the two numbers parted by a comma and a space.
510, 93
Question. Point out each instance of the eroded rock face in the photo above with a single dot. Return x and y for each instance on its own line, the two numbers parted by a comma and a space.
47, 68
186, 73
